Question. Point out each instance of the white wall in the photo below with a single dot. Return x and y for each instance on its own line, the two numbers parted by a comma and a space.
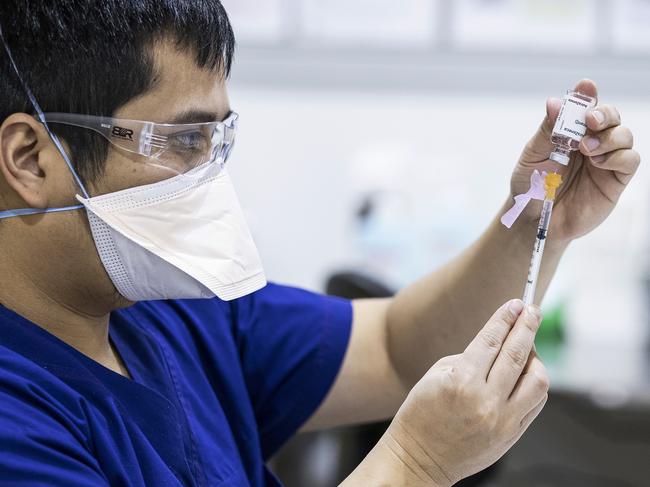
303, 157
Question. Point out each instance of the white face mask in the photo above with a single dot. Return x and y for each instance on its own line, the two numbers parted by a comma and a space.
183, 237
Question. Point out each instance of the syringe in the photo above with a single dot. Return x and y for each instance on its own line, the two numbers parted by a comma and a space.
551, 182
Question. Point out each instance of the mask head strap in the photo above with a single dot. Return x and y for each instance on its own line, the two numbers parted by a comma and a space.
55, 139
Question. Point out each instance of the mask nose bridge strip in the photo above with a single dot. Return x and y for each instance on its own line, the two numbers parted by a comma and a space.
41, 115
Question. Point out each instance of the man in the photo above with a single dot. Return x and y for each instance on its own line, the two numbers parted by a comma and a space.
115, 131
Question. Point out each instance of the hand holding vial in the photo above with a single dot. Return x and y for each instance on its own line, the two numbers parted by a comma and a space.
595, 177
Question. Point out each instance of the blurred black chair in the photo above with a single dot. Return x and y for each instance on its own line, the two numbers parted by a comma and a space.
353, 285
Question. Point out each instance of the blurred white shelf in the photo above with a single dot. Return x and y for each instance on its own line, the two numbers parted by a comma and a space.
443, 45
368, 70
552, 25
369, 22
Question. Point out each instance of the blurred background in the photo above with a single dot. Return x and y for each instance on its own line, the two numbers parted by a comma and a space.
377, 140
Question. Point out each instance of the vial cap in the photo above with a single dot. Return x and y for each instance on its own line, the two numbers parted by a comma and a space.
558, 157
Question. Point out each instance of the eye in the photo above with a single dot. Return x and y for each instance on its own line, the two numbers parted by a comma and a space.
192, 141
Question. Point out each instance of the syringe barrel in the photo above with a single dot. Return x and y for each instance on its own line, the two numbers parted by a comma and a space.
538, 252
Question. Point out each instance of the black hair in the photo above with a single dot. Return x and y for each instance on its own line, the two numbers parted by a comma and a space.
93, 56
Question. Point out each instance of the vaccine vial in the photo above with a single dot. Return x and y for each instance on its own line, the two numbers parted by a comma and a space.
570, 126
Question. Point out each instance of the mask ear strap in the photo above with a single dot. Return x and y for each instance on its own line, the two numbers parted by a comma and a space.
36, 211
41, 117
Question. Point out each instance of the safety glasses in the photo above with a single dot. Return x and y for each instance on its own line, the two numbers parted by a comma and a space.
177, 147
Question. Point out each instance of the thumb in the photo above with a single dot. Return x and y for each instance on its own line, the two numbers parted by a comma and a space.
540, 146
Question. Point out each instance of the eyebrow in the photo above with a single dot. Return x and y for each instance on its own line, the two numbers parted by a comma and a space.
198, 116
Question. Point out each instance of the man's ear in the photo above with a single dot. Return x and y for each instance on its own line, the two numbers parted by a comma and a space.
24, 144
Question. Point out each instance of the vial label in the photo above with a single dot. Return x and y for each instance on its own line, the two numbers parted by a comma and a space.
571, 120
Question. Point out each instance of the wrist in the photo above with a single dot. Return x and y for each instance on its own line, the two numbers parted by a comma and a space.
412, 457
390, 464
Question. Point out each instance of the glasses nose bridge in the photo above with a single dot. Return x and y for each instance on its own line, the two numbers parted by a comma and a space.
150, 141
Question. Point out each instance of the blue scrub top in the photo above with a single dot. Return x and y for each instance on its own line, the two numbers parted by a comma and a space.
217, 388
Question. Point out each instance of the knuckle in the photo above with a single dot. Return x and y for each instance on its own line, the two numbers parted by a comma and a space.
486, 416
517, 353
490, 339
503, 320
542, 381
630, 136
464, 382
628, 160
539, 376
622, 136
457, 386
612, 113
449, 383
531, 322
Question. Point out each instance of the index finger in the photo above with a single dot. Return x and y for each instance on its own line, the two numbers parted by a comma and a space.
484, 349
516, 349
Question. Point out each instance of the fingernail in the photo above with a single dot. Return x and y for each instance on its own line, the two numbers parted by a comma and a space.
599, 116
591, 143
535, 312
598, 159
516, 306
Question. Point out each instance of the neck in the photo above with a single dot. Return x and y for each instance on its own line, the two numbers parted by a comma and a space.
59, 310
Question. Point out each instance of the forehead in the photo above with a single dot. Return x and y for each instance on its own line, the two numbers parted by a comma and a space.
179, 86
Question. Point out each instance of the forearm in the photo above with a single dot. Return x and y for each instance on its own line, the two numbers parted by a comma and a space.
441, 313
